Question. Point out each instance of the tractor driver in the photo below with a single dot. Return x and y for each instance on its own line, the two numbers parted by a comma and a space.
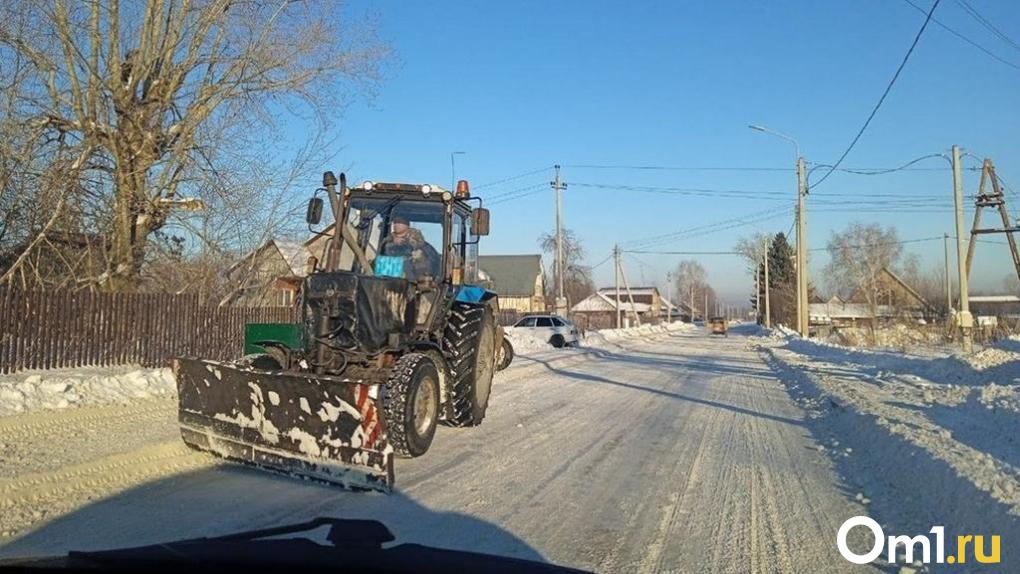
405, 241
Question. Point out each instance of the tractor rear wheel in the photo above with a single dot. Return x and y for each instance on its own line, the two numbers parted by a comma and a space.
469, 344
411, 406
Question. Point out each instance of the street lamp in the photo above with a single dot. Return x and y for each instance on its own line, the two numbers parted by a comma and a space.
453, 169
802, 271
796, 146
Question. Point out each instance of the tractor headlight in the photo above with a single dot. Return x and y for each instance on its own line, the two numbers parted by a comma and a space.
426, 189
367, 186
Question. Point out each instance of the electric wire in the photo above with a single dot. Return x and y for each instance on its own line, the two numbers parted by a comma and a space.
885, 93
513, 177
966, 39
986, 23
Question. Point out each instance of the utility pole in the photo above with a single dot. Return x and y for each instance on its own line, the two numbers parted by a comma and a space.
768, 311
669, 295
802, 270
630, 296
561, 301
964, 318
949, 286
757, 292
691, 297
705, 317
616, 293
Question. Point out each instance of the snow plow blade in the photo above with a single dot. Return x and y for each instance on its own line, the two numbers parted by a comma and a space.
321, 427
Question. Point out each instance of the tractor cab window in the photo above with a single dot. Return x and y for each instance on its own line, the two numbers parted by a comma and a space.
400, 237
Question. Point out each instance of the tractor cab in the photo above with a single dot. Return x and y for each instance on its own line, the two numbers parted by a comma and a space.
419, 232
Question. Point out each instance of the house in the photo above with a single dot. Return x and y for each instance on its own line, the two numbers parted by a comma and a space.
894, 299
270, 275
518, 279
598, 310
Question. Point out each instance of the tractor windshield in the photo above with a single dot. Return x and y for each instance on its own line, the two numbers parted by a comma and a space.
401, 237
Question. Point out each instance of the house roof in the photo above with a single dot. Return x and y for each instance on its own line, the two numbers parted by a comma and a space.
512, 275
610, 291
896, 279
294, 253
598, 302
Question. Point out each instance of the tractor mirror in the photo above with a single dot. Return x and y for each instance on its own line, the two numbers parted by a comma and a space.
480, 221
314, 214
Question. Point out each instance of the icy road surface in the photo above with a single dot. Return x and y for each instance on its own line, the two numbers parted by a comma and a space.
679, 452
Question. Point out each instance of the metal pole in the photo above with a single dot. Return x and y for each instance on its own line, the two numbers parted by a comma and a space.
965, 320
616, 294
561, 303
768, 311
802, 270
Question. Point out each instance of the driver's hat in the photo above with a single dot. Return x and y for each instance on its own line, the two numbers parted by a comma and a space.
399, 219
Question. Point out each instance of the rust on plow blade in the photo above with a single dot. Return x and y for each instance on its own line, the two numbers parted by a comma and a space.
317, 426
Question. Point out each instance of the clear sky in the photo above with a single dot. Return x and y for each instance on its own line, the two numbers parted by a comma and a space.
520, 86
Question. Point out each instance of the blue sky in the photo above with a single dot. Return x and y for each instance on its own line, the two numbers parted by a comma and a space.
520, 86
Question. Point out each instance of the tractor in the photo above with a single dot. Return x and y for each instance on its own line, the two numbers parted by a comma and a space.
394, 337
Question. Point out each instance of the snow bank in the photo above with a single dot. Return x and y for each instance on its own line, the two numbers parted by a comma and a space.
935, 426
897, 335
606, 337
524, 340
63, 388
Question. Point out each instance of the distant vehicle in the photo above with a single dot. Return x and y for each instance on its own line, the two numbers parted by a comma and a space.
718, 326
558, 331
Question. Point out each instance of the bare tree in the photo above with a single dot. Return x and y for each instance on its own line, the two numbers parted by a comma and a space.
144, 108
692, 286
577, 281
858, 255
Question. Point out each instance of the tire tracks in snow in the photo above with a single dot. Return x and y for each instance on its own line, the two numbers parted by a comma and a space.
31, 498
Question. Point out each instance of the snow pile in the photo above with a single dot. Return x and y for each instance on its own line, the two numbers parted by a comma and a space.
895, 336
63, 388
603, 338
990, 357
524, 340
1004, 397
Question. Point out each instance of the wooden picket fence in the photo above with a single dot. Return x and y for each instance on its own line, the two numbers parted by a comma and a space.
61, 329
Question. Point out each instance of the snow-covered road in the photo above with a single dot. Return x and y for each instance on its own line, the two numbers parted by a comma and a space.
676, 452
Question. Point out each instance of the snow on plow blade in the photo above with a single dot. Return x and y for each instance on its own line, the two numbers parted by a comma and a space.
316, 426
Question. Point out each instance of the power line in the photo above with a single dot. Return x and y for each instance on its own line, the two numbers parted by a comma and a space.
690, 191
883, 171
674, 168
513, 177
516, 193
988, 25
888, 89
600, 263
710, 228
966, 39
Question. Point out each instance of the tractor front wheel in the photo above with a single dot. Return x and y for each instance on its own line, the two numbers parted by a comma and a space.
411, 405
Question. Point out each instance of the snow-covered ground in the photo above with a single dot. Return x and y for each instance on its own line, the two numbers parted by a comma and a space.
926, 438
666, 450
657, 449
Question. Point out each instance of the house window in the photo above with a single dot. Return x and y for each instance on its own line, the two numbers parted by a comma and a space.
286, 297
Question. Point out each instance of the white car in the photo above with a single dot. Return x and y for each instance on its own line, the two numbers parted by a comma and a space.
553, 328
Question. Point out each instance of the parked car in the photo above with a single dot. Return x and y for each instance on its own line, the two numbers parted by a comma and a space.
558, 331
